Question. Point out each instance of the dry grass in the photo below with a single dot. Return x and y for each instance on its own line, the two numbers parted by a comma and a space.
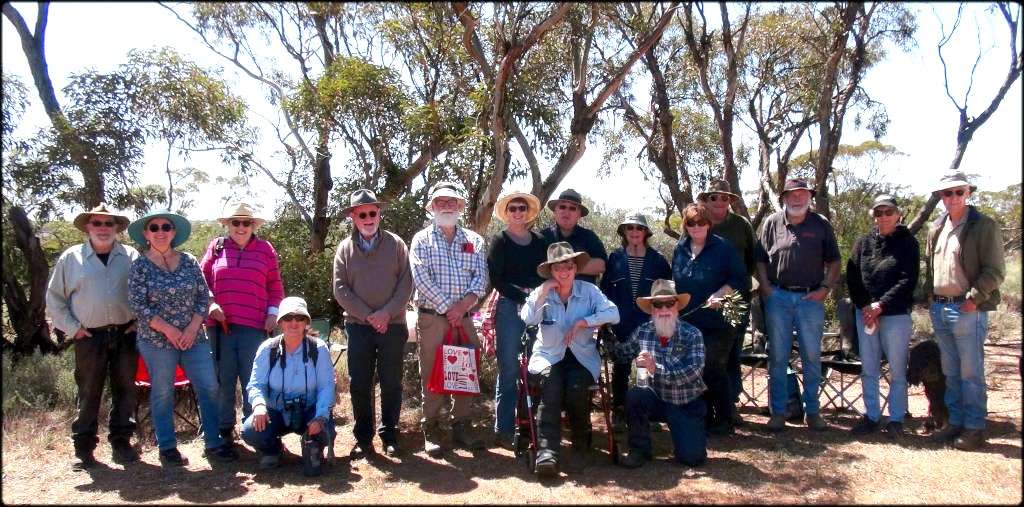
797, 466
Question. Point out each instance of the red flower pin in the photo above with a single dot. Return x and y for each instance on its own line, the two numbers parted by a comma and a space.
663, 340
468, 248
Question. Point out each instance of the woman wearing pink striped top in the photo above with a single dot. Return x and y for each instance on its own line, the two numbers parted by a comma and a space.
245, 283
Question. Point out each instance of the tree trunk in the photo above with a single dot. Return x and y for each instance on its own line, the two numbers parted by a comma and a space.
27, 313
322, 185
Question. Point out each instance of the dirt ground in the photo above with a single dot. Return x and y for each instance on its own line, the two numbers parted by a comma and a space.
753, 466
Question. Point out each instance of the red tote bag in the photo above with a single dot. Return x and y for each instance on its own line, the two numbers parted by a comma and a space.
456, 367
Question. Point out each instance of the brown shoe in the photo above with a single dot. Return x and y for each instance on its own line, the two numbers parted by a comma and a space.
970, 440
816, 423
776, 423
947, 435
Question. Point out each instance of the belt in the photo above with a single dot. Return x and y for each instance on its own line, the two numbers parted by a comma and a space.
949, 299
428, 311
797, 288
113, 328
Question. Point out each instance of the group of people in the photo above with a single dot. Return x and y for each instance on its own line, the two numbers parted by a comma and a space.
215, 318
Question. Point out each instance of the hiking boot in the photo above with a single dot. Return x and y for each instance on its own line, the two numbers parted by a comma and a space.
947, 435
635, 459
228, 434
816, 423
172, 458
865, 426
225, 453
776, 423
579, 455
431, 437
361, 450
83, 460
269, 461
462, 435
546, 465
391, 449
970, 440
122, 452
894, 430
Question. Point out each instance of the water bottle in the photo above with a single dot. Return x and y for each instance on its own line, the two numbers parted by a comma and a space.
642, 377
312, 455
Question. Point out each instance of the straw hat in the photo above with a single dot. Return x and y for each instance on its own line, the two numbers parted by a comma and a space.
83, 218
661, 289
532, 206
558, 252
242, 211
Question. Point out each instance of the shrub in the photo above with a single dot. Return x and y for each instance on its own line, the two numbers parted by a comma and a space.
1011, 286
41, 381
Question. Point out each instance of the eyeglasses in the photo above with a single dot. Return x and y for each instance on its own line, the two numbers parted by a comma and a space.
696, 223
569, 207
446, 202
363, 214
633, 227
949, 193
717, 197
887, 212
241, 223
168, 227
291, 317
512, 208
663, 303
97, 223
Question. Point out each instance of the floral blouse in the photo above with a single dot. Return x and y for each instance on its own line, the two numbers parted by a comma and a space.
174, 296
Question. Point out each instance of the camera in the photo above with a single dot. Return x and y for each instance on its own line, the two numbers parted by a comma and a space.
295, 408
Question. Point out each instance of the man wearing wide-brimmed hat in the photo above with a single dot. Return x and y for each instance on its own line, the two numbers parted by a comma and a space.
672, 351
87, 299
797, 266
565, 361
373, 283
738, 232
965, 269
569, 209
449, 271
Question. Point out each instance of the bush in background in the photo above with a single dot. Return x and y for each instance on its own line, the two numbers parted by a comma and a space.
47, 384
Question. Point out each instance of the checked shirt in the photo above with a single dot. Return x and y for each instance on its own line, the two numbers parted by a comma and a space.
678, 377
443, 273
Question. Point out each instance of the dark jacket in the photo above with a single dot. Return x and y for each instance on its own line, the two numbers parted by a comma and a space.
717, 264
981, 255
884, 269
615, 285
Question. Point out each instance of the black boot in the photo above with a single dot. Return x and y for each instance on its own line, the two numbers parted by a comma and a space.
579, 457
84, 459
122, 451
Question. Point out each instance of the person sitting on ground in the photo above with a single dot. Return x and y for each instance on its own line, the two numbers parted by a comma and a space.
673, 352
291, 389
565, 361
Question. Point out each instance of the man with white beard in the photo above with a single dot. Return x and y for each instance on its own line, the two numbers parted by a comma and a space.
797, 266
673, 352
449, 272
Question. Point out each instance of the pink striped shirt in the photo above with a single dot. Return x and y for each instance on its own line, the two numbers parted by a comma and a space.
245, 282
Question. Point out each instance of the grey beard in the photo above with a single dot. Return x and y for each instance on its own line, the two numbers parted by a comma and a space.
446, 219
797, 212
665, 326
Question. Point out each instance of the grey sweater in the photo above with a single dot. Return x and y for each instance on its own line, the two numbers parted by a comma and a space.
374, 280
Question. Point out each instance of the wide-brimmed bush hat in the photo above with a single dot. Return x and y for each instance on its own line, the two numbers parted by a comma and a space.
182, 227
359, 198
445, 189
292, 305
83, 218
570, 196
558, 252
717, 187
532, 205
242, 212
660, 289
952, 180
634, 219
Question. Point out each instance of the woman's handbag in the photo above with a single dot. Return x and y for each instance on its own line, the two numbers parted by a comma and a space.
456, 365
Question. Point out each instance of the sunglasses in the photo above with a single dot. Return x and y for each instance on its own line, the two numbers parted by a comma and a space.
696, 223
567, 207
97, 223
241, 223
632, 227
887, 212
949, 193
293, 317
162, 227
363, 214
663, 303
517, 209
717, 197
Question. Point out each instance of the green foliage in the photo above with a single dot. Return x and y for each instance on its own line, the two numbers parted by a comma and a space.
1005, 207
15, 100
1010, 289
38, 382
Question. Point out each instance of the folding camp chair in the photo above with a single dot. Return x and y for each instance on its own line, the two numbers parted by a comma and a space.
186, 405
753, 357
839, 374
323, 326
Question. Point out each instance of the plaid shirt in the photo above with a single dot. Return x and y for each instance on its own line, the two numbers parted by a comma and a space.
680, 364
443, 273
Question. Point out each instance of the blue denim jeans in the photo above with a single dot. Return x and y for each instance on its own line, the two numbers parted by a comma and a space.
961, 338
197, 362
268, 441
892, 337
784, 311
509, 332
370, 351
685, 424
237, 350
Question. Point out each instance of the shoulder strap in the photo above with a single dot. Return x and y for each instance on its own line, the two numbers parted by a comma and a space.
218, 248
275, 352
312, 350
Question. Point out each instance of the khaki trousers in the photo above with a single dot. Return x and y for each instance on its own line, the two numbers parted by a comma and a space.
431, 330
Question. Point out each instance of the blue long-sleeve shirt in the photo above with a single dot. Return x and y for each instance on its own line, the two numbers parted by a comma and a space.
273, 386
717, 264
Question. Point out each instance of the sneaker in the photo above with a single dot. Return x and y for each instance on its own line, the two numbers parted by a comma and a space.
172, 458
776, 423
269, 461
122, 452
546, 466
947, 435
865, 426
816, 423
225, 453
635, 459
361, 450
431, 438
894, 430
83, 461
970, 440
